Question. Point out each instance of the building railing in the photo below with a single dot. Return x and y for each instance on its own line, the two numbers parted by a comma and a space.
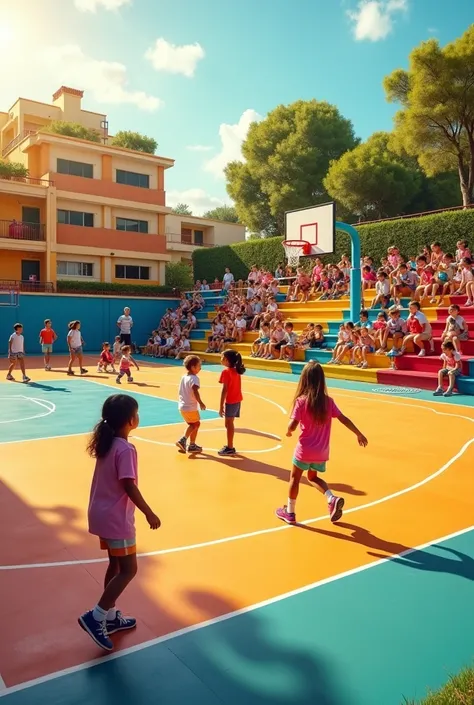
16, 141
27, 180
26, 286
18, 230
180, 239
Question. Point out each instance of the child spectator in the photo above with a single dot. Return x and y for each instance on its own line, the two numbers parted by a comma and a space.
462, 250
405, 284
47, 338
289, 343
456, 329
368, 277
16, 353
276, 340
418, 329
183, 347
452, 369
382, 290
345, 343
396, 329
259, 345
364, 345
379, 328
240, 326
363, 321
467, 276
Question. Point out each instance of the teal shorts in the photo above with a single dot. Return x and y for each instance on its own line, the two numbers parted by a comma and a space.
315, 467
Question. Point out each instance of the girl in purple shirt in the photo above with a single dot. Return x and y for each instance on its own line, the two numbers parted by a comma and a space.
113, 498
313, 411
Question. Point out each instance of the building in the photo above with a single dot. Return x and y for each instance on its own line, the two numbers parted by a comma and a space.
87, 210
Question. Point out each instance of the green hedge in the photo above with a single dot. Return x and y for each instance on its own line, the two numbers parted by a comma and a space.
409, 234
80, 287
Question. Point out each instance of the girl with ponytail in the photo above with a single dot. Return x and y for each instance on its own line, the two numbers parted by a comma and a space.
113, 498
231, 396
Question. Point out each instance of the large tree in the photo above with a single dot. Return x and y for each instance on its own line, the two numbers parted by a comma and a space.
436, 122
225, 213
287, 156
371, 180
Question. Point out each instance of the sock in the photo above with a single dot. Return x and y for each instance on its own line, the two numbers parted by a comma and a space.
329, 495
99, 614
111, 614
291, 506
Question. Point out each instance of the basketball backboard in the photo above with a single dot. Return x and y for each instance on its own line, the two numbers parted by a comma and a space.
314, 224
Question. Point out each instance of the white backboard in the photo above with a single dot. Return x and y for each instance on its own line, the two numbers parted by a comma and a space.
315, 224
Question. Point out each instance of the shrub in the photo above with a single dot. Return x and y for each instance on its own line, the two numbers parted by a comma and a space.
135, 141
179, 275
409, 234
80, 287
72, 129
12, 169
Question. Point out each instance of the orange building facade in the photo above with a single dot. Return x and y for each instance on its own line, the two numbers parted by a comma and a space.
87, 210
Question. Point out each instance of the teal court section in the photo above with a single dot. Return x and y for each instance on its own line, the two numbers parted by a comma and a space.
61, 408
371, 638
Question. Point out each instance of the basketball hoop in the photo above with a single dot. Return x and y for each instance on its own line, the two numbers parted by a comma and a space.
294, 249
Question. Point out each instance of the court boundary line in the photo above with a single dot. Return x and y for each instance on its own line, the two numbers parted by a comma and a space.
229, 615
251, 534
39, 402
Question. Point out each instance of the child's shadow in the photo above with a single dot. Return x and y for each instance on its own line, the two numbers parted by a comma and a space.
361, 536
422, 559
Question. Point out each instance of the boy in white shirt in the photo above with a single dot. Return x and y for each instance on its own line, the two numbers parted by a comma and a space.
16, 352
189, 401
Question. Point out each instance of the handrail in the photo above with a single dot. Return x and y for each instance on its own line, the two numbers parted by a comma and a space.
27, 180
16, 141
21, 230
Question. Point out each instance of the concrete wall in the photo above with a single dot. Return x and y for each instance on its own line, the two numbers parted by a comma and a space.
98, 315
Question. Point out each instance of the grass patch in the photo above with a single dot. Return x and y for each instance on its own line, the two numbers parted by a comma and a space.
458, 691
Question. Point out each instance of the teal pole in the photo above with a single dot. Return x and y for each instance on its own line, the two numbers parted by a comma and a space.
355, 283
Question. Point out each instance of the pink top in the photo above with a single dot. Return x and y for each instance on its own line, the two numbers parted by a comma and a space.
313, 443
111, 512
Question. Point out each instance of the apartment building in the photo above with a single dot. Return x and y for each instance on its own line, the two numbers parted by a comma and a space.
88, 210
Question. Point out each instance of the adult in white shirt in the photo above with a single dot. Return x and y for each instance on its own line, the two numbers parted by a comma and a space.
228, 279
125, 324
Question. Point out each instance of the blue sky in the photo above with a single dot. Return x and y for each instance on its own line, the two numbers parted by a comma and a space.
194, 73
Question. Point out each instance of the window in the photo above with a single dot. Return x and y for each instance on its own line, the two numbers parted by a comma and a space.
76, 218
199, 237
130, 178
66, 166
128, 271
75, 269
132, 226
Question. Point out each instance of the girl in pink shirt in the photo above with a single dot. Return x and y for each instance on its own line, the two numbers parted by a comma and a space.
313, 411
113, 498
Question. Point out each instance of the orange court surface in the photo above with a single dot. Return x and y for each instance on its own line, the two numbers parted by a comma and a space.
232, 605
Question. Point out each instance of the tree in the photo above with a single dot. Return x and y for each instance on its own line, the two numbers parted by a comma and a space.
179, 275
225, 213
436, 122
182, 209
372, 181
13, 170
287, 156
72, 129
134, 140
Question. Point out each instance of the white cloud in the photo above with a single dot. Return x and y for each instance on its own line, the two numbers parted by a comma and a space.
94, 5
199, 148
172, 58
107, 81
374, 19
196, 198
231, 137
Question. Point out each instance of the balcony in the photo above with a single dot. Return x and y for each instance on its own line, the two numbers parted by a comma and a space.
183, 242
109, 189
17, 230
29, 180
108, 239
16, 141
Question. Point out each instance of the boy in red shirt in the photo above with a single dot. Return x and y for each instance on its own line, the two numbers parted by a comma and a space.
47, 338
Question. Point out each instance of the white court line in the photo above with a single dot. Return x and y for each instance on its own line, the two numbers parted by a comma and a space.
40, 402
214, 450
225, 617
251, 534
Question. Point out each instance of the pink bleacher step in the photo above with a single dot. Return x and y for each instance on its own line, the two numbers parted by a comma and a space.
428, 363
467, 346
408, 378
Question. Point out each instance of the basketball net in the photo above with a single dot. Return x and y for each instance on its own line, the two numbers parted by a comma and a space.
293, 251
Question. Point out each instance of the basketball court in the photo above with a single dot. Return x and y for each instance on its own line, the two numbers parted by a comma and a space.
232, 605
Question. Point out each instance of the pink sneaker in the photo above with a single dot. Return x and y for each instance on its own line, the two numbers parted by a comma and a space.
335, 508
283, 514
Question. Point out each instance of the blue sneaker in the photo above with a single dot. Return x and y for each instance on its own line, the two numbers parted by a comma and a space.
96, 630
120, 623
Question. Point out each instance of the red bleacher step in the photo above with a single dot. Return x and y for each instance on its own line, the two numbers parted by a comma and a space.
408, 378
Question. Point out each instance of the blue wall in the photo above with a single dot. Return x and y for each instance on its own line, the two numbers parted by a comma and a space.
98, 316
